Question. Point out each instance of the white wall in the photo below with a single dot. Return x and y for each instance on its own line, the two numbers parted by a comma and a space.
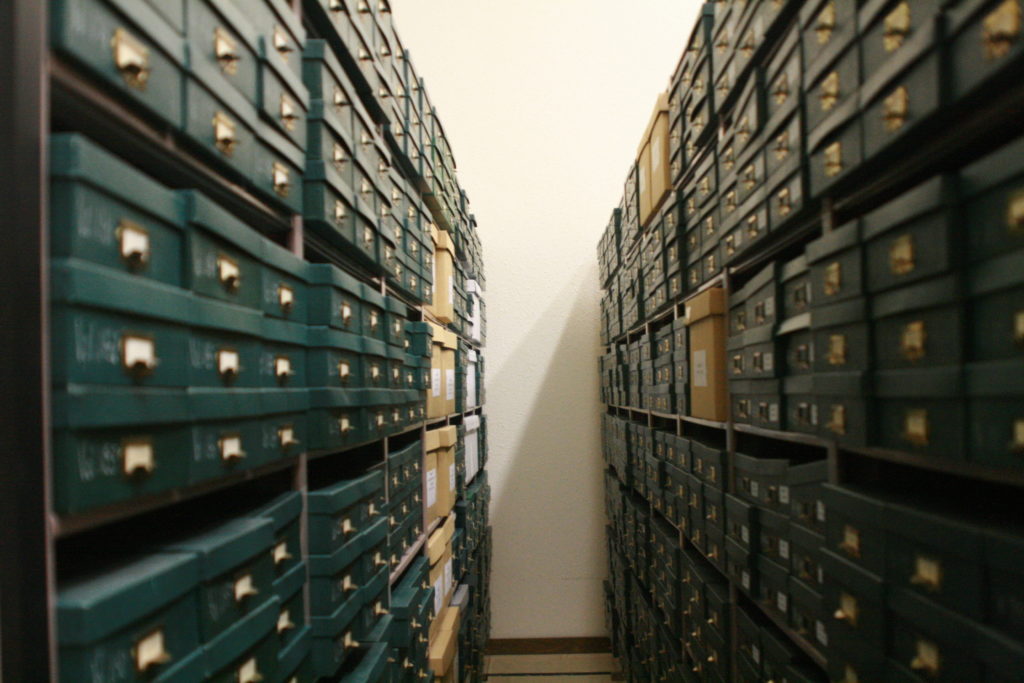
544, 103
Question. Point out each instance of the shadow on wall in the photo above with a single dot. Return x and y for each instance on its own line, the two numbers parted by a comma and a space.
549, 551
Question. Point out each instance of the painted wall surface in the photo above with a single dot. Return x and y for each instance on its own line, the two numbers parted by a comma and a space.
544, 103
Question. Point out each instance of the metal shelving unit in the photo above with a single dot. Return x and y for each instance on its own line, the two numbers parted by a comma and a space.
41, 90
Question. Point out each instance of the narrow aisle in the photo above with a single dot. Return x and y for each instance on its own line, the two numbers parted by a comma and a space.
596, 667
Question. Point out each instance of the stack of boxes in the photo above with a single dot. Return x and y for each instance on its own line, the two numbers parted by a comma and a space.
861, 335
194, 355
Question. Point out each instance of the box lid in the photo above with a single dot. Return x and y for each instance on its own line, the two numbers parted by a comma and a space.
945, 382
283, 509
708, 303
327, 274
954, 536
439, 540
241, 636
851, 576
93, 607
371, 295
75, 156
926, 197
226, 546
943, 290
343, 494
447, 436
841, 238
328, 337
999, 379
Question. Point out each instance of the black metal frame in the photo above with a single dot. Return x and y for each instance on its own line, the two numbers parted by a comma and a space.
27, 645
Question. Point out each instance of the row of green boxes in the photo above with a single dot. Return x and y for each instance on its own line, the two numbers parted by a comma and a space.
231, 82
922, 589
412, 601
898, 329
357, 200
405, 501
689, 599
227, 604
833, 94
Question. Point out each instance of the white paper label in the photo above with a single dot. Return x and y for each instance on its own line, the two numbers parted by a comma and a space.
820, 508
820, 633
784, 548
435, 382
814, 414
782, 602
773, 412
451, 477
745, 534
745, 580
449, 577
784, 495
451, 290
755, 652
769, 361
769, 306
700, 368
431, 488
755, 489
438, 595
449, 383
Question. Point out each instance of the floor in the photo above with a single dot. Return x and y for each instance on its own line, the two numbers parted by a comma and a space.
576, 668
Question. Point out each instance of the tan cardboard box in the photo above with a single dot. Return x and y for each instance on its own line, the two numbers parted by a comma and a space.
446, 470
451, 342
431, 474
443, 306
705, 318
442, 649
435, 394
653, 162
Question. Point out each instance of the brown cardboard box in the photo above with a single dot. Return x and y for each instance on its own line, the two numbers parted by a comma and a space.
451, 342
435, 394
705, 319
443, 306
653, 162
643, 167
443, 647
447, 489
430, 470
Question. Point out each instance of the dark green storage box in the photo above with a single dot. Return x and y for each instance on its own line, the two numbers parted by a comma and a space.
741, 522
335, 359
741, 566
935, 556
284, 511
224, 253
220, 120
836, 266
922, 411
247, 651
903, 94
222, 40
807, 616
757, 402
827, 27
856, 599
798, 397
294, 663
329, 204
339, 512
284, 281
236, 572
995, 420
919, 325
137, 622
984, 43
1003, 574
774, 537
127, 44
339, 579
931, 642
805, 557
912, 237
996, 311
856, 526
283, 97
759, 480
104, 211
842, 400
279, 169
802, 493
335, 298
708, 463
835, 148
993, 196
795, 285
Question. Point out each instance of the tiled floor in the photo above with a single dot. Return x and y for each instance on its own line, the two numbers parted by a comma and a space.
581, 668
